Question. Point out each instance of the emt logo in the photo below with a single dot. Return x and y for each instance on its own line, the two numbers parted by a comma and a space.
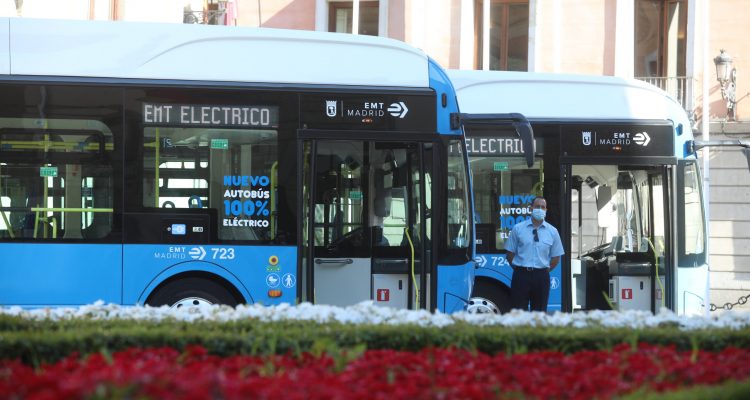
331, 110
586, 137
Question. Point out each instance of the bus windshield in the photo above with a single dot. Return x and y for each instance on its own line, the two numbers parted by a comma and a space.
231, 170
459, 231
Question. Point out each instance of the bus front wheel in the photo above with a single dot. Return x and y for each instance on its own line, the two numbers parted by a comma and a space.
489, 297
191, 292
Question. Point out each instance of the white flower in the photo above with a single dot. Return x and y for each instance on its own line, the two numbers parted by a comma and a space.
367, 312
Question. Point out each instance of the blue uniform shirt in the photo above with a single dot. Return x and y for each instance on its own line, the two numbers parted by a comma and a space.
531, 253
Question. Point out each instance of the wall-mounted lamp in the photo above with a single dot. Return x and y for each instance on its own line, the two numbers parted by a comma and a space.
727, 77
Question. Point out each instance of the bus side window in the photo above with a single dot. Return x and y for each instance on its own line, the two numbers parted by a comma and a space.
232, 172
45, 187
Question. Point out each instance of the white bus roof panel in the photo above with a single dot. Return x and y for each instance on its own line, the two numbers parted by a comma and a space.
206, 53
4, 46
563, 96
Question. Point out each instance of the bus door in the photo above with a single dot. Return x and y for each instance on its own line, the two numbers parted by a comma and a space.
620, 236
366, 207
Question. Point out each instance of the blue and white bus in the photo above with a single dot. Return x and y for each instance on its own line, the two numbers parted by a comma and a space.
613, 160
180, 164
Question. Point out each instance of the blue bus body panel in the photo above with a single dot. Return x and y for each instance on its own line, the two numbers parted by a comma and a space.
253, 270
454, 286
455, 282
60, 273
496, 267
442, 85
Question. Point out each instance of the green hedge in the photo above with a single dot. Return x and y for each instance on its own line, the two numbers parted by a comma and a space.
46, 341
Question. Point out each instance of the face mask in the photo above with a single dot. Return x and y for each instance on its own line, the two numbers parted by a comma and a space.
538, 214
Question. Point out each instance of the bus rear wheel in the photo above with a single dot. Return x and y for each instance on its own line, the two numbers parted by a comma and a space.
191, 292
489, 298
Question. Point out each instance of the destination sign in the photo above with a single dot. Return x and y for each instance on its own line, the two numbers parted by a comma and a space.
397, 112
210, 115
618, 139
496, 146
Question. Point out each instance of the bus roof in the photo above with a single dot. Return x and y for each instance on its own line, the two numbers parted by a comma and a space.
561, 97
99, 49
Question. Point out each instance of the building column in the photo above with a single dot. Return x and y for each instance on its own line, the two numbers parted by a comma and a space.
705, 135
624, 39
416, 35
321, 15
533, 35
383, 18
466, 36
355, 17
486, 35
545, 13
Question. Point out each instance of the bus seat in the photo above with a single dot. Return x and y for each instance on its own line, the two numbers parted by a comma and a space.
643, 247
378, 239
616, 244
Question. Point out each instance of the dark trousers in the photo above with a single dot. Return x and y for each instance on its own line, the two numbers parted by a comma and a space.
529, 286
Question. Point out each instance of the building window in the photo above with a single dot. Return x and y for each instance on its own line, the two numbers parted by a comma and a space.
660, 37
508, 33
211, 12
341, 12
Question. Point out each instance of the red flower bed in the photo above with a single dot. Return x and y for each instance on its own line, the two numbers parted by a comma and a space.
433, 373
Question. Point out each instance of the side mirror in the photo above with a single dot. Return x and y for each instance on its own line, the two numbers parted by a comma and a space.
694, 145
517, 121
603, 196
524, 131
383, 188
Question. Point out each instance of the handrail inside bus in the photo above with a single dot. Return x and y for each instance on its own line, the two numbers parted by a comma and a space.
52, 221
69, 209
413, 275
156, 168
656, 268
695, 145
519, 122
274, 184
7, 225
5, 219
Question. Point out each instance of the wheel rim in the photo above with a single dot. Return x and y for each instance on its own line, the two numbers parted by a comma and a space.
481, 305
189, 302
